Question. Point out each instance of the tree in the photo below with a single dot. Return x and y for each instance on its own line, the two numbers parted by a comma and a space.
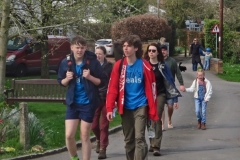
181, 10
3, 41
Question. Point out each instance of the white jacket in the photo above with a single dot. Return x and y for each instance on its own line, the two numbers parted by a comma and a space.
194, 88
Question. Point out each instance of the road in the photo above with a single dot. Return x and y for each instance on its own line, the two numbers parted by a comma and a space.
221, 140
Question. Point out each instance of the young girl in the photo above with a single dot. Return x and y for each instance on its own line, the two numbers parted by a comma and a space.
202, 89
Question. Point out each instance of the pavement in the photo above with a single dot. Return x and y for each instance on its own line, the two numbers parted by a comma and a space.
221, 140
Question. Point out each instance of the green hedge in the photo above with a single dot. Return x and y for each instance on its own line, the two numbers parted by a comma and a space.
231, 46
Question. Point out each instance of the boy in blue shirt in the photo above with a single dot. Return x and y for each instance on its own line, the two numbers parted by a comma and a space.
82, 73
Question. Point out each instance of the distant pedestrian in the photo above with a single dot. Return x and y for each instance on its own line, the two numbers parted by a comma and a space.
133, 86
166, 89
174, 68
100, 123
207, 57
82, 74
195, 51
202, 89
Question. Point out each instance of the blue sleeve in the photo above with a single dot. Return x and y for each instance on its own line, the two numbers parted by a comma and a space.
62, 70
99, 73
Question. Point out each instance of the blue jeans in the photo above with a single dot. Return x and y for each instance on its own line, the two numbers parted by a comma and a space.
194, 66
206, 64
200, 109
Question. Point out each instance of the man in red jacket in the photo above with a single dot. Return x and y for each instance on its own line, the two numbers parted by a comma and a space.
133, 86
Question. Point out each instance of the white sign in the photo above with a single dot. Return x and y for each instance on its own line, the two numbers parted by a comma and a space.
215, 29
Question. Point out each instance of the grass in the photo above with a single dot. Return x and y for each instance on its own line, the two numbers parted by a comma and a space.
231, 72
52, 119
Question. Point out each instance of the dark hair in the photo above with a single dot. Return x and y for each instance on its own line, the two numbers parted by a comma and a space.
102, 48
163, 46
135, 41
159, 56
78, 40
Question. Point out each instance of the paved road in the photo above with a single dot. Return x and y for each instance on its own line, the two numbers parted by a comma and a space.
221, 140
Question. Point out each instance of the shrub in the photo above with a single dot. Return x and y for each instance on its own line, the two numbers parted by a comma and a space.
147, 27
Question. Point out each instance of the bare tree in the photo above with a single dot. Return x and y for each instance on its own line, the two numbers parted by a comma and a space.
3, 41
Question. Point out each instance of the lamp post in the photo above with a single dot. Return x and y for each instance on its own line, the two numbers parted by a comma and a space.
221, 30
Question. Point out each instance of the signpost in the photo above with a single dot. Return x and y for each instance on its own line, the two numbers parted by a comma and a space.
216, 31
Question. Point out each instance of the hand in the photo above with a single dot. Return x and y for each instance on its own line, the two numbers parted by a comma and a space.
69, 75
110, 116
175, 105
182, 88
86, 73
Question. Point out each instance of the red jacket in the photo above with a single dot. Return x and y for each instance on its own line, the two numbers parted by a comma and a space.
117, 84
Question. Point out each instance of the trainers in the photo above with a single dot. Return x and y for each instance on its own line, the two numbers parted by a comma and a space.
170, 126
150, 149
98, 146
102, 154
156, 152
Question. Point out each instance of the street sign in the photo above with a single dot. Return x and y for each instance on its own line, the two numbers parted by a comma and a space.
215, 29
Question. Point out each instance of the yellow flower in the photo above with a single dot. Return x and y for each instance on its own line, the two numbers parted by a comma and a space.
9, 149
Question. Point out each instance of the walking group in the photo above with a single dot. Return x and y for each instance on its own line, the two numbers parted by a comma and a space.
139, 85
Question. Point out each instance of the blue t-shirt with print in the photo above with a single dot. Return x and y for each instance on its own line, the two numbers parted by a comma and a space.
134, 94
80, 96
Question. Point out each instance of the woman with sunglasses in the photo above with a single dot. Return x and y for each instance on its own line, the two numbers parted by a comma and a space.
165, 89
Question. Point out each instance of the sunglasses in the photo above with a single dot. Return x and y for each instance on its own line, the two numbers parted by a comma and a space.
152, 50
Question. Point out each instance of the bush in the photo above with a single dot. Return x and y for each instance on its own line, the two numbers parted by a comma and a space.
147, 27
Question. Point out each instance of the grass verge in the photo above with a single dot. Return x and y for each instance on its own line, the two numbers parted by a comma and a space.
231, 72
52, 119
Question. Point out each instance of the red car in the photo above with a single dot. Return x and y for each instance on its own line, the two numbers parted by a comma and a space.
24, 54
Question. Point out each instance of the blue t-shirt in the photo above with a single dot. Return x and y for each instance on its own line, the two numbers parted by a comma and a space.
80, 96
134, 94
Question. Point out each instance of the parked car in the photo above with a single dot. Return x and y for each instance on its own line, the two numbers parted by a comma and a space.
107, 43
24, 54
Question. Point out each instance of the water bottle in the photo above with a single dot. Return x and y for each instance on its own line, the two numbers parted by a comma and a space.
151, 130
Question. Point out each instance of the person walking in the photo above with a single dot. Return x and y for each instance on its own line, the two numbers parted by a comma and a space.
172, 64
133, 86
166, 89
207, 57
82, 73
202, 89
195, 51
100, 123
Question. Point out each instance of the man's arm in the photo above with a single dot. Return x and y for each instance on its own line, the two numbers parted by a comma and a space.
179, 76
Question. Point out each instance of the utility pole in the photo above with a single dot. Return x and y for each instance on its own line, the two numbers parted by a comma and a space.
221, 31
158, 2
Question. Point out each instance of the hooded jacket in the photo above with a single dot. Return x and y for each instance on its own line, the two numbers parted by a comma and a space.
107, 69
90, 62
117, 84
171, 89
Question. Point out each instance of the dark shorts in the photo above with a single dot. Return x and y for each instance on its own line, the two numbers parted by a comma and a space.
84, 112
169, 102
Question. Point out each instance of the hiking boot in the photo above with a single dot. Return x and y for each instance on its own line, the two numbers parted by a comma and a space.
102, 154
150, 149
98, 146
156, 152
199, 125
203, 126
